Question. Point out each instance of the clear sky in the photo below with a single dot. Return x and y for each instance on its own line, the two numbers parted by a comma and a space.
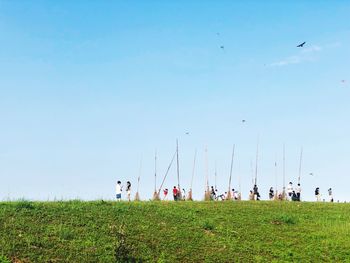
90, 88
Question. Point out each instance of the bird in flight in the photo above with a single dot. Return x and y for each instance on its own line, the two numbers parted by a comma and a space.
243, 121
302, 44
222, 47
187, 133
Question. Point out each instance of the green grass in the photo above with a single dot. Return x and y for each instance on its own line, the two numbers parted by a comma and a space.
174, 232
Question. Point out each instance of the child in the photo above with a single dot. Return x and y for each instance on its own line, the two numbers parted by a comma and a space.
165, 192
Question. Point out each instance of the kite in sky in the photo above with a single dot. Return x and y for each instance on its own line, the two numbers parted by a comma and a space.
302, 44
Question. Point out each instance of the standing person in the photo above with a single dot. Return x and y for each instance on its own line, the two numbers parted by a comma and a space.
298, 192
128, 189
271, 193
256, 193
212, 193
251, 195
183, 194
234, 194
290, 190
165, 192
175, 193
118, 191
317, 194
330, 193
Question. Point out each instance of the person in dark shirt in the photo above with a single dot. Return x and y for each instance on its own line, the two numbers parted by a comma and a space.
271, 193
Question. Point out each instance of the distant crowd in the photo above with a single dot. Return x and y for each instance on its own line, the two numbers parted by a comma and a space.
290, 194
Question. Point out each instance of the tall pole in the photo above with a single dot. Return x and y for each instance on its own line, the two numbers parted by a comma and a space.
276, 176
301, 159
256, 163
284, 196
155, 171
229, 181
138, 179
206, 169
155, 193
194, 167
215, 177
178, 168
189, 197
207, 193
137, 195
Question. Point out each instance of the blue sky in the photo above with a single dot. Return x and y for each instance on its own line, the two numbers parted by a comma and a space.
89, 88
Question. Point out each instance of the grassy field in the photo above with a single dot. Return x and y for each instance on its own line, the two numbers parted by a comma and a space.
245, 231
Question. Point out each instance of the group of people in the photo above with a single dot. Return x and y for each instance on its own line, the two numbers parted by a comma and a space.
292, 194
318, 195
119, 190
214, 196
177, 194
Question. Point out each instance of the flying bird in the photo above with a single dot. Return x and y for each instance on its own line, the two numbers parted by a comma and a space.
187, 133
222, 47
243, 121
302, 44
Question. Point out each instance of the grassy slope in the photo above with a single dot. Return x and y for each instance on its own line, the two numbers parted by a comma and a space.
165, 231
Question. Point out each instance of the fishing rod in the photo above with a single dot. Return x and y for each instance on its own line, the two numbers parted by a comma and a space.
300, 163
256, 162
138, 179
166, 174
193, 170
194, 167
137, 195
215, 176
155, 171
229, 182
178, 168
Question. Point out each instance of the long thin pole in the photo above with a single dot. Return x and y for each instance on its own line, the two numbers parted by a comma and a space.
252, 170
284, 167
301, 159
206, 169
155, 171
229, 181
256, 163
167, 171
276, 176
215, 176
194, 167
138, 179
178, 168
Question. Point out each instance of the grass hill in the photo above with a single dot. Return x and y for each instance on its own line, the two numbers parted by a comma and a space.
244, 231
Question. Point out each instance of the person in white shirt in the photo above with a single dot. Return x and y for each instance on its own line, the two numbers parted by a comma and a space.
118, 191
290, 190
330, 193
298, 192
183, 194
